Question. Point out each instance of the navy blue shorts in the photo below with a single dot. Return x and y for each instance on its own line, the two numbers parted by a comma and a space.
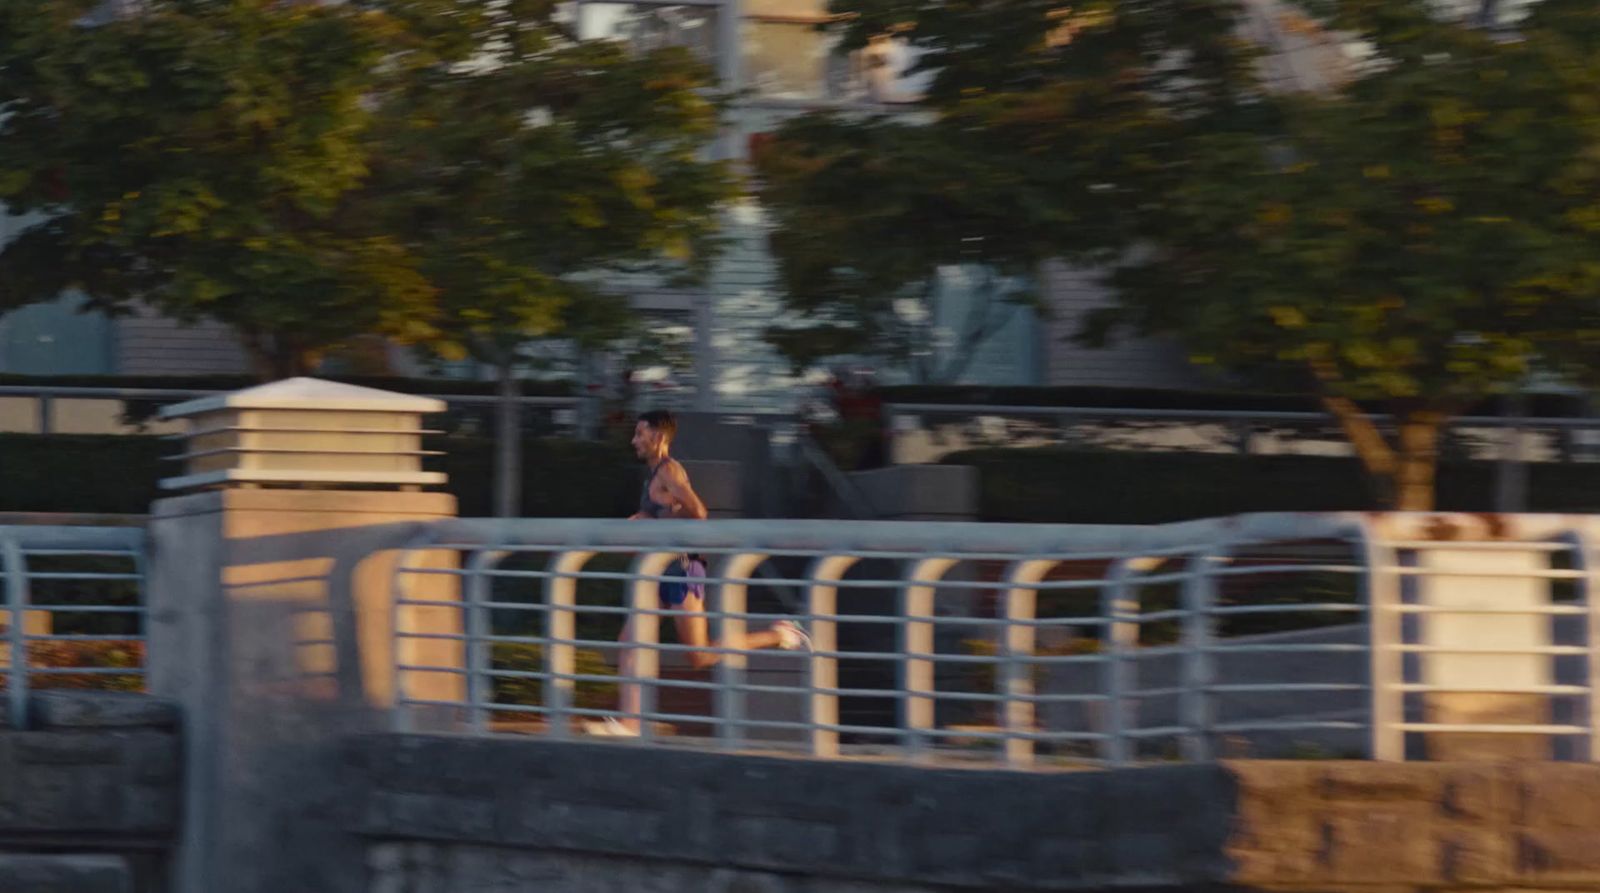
674, 594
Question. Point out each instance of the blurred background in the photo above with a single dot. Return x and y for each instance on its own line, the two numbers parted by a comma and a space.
1133, 261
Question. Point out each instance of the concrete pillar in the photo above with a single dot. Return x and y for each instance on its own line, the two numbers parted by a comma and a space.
1466, 580
271, 624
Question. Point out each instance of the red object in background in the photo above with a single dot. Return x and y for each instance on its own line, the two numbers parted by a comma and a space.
759, 143
56, 185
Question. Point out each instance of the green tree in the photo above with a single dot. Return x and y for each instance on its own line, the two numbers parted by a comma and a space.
529, 172
1419, 238
207, 159
873, 220
464, 173
870, 210
1423, 238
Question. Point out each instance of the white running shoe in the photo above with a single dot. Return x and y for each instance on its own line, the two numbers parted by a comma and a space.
791, 637
609, 728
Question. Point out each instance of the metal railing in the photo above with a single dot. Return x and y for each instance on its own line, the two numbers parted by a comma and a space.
48, 400
1340, 635
956, 426
74, 610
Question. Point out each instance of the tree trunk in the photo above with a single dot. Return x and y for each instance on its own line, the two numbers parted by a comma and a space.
1415, 476
274, 357
508, 444
1375, 453
1405, 472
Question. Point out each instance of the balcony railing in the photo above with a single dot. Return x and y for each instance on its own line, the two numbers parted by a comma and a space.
1381, 636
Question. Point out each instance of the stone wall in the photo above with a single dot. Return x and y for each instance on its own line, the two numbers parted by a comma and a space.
89, 794
463, 815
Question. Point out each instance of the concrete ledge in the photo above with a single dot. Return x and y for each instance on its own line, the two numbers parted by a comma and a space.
64, 874
88, 788
1295, 826
63, 710
836, 820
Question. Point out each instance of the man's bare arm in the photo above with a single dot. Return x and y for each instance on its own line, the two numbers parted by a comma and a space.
685, 502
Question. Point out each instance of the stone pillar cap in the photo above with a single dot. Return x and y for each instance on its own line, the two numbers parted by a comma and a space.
307, 393
305, 432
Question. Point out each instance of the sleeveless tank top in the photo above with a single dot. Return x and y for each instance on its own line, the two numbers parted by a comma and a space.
648, 506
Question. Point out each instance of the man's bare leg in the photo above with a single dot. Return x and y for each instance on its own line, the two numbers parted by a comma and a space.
693, 631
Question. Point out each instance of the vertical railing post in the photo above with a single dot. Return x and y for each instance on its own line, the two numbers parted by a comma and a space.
402, 719
16, 577
645, 600
560, 629
822, 604
1199, 672
1119, 611
1240, 431
917, 685
1019, 641
477, 627
730, 673
1586, 562
1385, 631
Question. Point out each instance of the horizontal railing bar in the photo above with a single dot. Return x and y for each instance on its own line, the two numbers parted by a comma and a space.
887, 583
1480, 545
1328, 648
1553, 650
1488, 574
1255, 688
1492, 690
1530, 611
59, 608
1253, 570
1491, 729
113, 393
1287, 725
553, 546
1217, 415
84, 637
1156, 732
80, 575
85, 671
1289, 608
32, 552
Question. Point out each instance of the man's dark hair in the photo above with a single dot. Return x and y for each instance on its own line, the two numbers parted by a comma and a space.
661, 420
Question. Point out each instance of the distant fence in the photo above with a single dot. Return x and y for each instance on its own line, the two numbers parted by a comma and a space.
74, 610
925, 432
106, 410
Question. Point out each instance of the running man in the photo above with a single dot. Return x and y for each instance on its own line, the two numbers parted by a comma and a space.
668, 494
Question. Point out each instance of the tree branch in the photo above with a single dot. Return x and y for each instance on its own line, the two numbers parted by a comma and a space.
1374, 451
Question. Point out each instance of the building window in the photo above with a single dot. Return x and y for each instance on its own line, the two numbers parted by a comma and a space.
786, 56
57, 338
649, 27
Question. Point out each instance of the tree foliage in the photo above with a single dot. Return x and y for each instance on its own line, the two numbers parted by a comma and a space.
426, 170
205, 158
1422, 236
869, 210
528, 167
874, 221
